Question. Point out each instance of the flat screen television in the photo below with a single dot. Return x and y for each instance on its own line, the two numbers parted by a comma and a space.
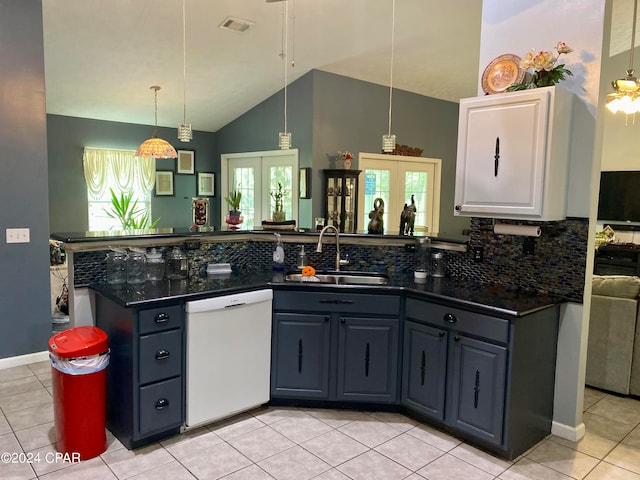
619, 199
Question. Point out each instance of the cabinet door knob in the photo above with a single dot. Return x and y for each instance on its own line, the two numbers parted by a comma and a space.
162, 354
342, 320
441, 334
162, 403
450, 318
456, 338
162, 317
458, 208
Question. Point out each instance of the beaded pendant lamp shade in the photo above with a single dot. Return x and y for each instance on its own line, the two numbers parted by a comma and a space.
154, 146
185, 133
389, 140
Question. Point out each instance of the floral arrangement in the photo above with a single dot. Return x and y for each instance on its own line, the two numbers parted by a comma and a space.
346, 157
545, 71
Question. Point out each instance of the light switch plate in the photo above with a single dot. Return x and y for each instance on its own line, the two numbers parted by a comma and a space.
18, 235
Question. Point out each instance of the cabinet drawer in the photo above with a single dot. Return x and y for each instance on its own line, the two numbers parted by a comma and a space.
160, 356
337, 302
159, 319
160, 406
457, 319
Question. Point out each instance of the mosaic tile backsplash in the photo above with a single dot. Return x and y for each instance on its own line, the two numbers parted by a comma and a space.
556, 267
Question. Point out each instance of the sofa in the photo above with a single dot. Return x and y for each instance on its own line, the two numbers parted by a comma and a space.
613, 353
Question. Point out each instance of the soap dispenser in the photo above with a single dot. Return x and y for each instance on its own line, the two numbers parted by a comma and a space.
278, 254
302, 258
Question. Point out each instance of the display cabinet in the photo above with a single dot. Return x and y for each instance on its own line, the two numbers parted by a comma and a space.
341, 204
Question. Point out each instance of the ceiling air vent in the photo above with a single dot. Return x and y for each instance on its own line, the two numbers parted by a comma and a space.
236, 24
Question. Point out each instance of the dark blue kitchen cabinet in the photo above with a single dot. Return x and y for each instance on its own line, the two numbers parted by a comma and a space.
478, 385
424, 369
300, 352
367, 359
498, 372
335, 346
145, 376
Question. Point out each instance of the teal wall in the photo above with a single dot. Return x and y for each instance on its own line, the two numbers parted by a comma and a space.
25, 318
67, 188
328, 113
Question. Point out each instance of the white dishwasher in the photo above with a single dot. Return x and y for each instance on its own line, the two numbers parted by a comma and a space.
228, 355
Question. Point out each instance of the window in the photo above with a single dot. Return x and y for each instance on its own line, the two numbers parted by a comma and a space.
395, 179
256, 175
121, 171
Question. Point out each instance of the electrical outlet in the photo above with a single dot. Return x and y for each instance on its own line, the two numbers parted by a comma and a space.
18, 235
529, 246
478, 254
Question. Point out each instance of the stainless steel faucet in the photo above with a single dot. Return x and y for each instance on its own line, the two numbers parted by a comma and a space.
319, 247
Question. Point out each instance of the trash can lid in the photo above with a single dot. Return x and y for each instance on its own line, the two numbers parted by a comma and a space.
78, 342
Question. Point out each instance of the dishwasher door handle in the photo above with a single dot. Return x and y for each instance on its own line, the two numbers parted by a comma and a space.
235, 305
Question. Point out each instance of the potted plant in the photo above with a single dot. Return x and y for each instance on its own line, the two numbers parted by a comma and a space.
278, 211
234, 218
233, 199
124, 209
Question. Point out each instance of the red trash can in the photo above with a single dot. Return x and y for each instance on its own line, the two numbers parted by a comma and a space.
79, 357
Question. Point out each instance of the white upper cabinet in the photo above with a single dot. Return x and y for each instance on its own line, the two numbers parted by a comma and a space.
513, 155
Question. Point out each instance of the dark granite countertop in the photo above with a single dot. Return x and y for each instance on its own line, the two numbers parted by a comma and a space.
495, 300
157, 233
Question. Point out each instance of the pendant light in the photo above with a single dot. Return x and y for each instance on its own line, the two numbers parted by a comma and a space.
389, 140
284, 138
185, 134
626, 98
156, 147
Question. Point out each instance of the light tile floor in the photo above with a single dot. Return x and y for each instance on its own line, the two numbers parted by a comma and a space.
301, 444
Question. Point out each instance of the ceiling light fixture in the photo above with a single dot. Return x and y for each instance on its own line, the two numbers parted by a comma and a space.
626, 98
156, 147
284, 138
185, 134
389, 140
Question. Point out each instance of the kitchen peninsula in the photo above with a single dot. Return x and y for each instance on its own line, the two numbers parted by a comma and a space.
449, 352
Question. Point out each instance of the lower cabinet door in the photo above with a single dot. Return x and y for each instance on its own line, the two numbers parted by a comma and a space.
300, 356
368, 359
160, 406
424, 369
478, 388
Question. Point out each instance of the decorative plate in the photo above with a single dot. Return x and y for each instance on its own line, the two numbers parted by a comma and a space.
502, 72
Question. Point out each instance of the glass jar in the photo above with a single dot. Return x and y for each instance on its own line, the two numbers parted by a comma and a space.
116, 268
437, 264
177, 264
155, 265
136, 271
422, 256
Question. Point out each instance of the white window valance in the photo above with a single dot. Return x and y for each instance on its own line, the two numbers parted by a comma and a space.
128, 171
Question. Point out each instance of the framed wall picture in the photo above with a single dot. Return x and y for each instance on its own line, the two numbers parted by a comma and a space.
164, 183
186, 162
206, 184
305, 183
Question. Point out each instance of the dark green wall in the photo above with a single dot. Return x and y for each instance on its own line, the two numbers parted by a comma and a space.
67, 188
25, 321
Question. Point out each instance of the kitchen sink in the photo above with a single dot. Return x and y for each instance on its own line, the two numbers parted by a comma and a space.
341, 278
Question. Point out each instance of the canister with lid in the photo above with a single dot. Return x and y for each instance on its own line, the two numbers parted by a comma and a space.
437, 264
116, 267
177, 264
136, 267
155, 265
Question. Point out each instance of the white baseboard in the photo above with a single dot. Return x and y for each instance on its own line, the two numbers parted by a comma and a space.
572, 434
23, 359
